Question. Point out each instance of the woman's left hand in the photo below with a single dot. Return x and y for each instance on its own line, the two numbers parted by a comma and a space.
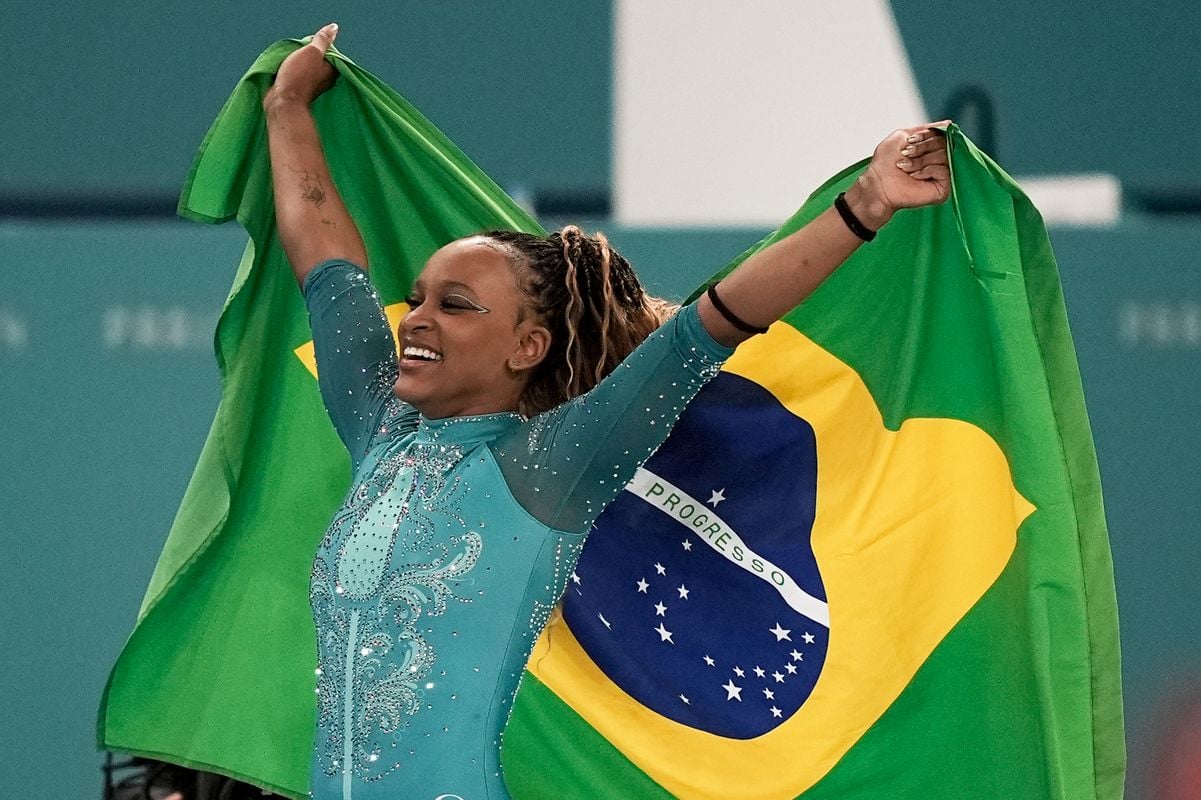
305, 74
908, 169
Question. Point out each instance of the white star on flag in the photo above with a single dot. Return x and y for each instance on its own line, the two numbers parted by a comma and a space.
781, 633
808, 637
659, 568
664, 634
779, 678
683, 590
732, 692
797, 656
775, 712
717, 497
575, 578
660, 610
709, 661
768, 693
790, 668
686, 700
738, 671
759, 673
643, 585
687, 544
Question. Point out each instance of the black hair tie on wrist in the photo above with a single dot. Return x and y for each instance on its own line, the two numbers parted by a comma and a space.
730, 316
858, 228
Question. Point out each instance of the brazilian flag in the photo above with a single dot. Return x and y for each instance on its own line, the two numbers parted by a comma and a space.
870, 561
218, 671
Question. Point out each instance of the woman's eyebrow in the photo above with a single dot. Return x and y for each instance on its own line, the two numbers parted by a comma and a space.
444, 286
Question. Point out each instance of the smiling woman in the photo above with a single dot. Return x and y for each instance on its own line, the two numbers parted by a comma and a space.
464, 342
535, 377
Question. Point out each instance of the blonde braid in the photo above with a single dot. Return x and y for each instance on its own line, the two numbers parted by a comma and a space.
574, 309
590, 300
602, 363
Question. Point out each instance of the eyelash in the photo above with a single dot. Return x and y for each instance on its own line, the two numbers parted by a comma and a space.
413, 302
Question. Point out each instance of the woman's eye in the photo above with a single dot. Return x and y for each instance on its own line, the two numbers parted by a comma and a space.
457, 302
450, 302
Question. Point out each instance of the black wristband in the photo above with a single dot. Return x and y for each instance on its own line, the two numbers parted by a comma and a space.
730, 316
848, 216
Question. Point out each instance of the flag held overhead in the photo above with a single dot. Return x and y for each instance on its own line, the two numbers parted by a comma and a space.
955, 481
218, 673
903, 582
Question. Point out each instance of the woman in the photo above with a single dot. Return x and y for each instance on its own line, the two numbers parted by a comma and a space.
535, 377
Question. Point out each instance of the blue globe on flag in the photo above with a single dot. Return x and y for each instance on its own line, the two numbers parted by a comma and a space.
698, 593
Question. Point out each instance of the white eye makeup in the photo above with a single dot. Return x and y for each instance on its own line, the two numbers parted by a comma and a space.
458, 301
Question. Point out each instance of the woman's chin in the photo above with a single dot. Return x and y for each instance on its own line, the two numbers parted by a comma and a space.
405, 392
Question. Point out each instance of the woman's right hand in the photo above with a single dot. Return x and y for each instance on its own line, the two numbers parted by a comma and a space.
305, 73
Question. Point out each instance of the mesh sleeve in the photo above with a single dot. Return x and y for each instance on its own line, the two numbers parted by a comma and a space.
566, 465
356, 355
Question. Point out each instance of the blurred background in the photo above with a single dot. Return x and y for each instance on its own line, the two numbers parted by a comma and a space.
686, 132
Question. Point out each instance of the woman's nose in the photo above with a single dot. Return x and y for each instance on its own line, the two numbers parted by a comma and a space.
414, 320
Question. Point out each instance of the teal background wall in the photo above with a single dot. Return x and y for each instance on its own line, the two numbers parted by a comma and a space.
108, 384
112, 99
1080, 86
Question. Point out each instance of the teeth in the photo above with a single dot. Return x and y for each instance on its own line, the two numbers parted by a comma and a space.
421, 352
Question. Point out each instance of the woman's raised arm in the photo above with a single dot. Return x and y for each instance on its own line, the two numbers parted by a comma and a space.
908, 169
314, 225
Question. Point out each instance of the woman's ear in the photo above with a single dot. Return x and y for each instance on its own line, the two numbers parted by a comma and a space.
531, 348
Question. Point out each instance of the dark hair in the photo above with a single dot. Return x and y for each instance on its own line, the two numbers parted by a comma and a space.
590, 300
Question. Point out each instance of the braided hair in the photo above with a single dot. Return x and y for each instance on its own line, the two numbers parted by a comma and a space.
588, 297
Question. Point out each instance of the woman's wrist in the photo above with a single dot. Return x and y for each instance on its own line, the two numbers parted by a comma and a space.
277, 97
868, 204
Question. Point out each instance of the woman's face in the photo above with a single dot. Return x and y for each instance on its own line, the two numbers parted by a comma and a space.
463, 350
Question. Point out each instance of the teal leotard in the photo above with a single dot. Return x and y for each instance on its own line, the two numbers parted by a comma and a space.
453, 544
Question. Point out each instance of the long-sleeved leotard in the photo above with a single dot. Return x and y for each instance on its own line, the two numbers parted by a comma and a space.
453, 544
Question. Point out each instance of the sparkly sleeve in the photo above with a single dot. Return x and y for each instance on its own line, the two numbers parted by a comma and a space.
356, 355
573, 460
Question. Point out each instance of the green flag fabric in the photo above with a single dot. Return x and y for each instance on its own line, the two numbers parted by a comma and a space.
944, 595
900, 584
218, 673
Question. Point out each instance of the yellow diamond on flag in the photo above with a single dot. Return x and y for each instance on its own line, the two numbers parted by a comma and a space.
934, 498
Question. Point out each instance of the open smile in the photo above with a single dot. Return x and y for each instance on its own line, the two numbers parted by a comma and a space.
413, 356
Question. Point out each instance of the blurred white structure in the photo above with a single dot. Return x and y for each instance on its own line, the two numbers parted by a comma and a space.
731, 113
1082, 200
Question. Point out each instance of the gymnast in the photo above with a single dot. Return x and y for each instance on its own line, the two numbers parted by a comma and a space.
534, 376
